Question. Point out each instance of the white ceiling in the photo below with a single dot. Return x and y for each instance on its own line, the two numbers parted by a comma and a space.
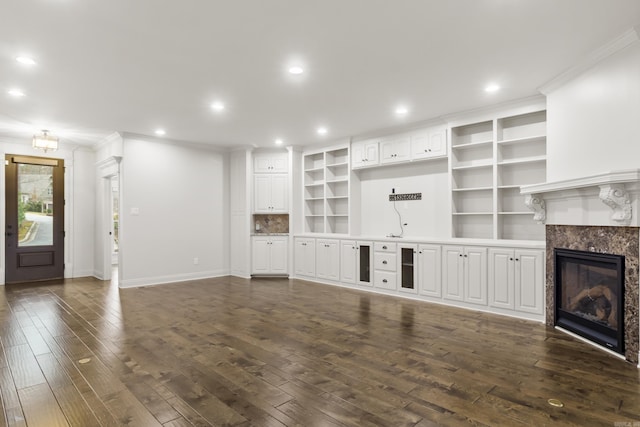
138, 65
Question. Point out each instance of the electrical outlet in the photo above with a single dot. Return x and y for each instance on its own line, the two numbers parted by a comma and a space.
196, 261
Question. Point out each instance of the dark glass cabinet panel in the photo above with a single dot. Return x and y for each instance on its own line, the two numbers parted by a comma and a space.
407, 266
365, 263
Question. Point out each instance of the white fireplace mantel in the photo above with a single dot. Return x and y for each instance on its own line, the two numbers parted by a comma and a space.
571, 201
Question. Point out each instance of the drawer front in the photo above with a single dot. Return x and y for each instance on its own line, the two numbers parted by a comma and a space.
384, 261
384, 247
385, 280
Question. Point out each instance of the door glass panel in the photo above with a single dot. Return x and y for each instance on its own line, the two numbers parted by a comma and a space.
407, 268
35, 205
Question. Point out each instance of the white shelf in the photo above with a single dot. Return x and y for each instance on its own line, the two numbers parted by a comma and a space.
471, 213
525, 140
336, 197
479, 165
507, 187
313, 198
315, 184
333, 181
515, 213
472, 189
335, 165
472, 145
534, 159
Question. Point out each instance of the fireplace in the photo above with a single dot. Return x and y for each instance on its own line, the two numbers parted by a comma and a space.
590, 296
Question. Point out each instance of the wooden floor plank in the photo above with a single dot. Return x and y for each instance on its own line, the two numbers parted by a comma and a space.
41, 407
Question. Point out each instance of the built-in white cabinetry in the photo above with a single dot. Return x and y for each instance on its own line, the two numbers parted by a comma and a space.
428, 143
385, 264
514, 279
328, 259
271, 193
395, 149
505, 280
429, 270
464, 271
490, 160
364, 153
304, 257
269, 255
269, 162
326, 191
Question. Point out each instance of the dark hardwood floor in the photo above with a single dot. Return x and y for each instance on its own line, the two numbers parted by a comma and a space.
273, 352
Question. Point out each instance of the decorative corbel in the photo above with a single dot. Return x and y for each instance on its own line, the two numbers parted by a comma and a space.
617, 198
536, 204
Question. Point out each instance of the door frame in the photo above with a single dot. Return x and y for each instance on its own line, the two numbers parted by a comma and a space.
107, 169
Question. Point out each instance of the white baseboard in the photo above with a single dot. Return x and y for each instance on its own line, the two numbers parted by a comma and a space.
163, 280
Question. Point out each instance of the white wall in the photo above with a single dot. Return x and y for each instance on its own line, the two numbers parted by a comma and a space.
79, 206
429, 217
593, 120
181, 194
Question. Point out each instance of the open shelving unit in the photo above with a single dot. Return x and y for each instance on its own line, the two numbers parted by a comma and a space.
326, 191
490, 160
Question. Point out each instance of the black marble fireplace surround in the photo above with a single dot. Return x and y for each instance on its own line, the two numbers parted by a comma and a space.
614, 240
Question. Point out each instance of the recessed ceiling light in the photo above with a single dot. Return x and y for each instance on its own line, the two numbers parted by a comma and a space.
296, 69
25, 60
278, 141
322, 130
402, 110
492, 88
160, 132
17, 93
217, 106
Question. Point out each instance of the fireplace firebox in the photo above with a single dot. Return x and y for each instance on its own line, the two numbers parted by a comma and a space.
589, 296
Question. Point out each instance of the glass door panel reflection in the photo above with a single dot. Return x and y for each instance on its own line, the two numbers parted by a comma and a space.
35, 205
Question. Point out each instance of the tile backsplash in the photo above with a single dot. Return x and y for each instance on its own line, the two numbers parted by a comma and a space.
270, 223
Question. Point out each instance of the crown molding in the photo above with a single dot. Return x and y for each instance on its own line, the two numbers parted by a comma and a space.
619, 43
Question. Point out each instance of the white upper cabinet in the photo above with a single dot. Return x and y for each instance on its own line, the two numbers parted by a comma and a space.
395, 149
271, 163
364, 154
429, 143
271, 193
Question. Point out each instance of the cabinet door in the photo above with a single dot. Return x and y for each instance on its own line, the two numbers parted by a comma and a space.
279, 193
279, 255
365, 263
305, 257
501, 278
261, 163
348, 261
262, 193
407, 267
387, 151
475, 275
357, 155
529, 281
328, 259
437, 142
371, 153
260, 255
280, 163
453, 272
420, 145
429, 270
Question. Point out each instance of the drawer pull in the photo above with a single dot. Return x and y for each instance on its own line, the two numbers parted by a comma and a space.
384, 262
384, 247
384, 280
